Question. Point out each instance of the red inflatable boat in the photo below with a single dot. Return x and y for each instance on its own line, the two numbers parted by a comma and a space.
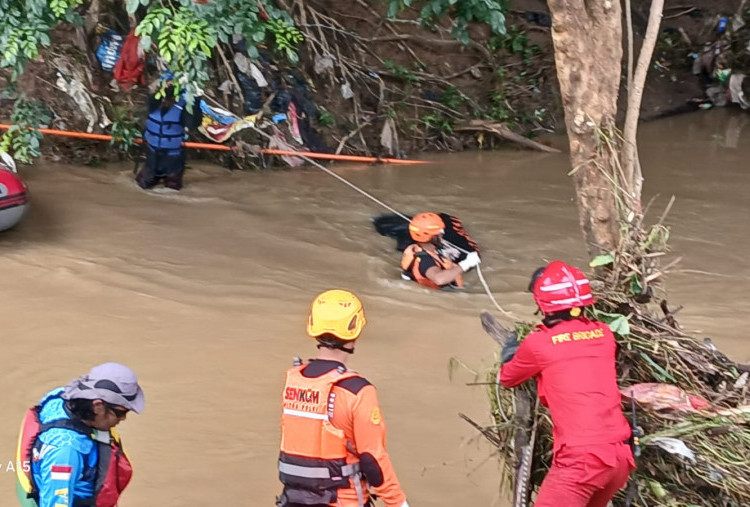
14, 195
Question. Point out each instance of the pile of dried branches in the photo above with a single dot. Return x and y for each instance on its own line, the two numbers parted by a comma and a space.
691, 455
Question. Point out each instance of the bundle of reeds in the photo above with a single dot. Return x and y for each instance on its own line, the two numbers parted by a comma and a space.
692, 454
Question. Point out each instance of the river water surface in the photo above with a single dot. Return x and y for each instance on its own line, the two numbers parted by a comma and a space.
205, 295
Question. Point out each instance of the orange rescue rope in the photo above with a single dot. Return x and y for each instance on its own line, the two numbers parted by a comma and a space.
221, 147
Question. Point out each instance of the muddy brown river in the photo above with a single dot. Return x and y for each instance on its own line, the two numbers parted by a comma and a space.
205, 294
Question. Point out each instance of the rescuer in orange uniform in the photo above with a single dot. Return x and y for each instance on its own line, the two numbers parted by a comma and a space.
573, 360
332, 431
426, 263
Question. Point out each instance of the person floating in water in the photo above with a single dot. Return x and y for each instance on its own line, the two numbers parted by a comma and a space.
436, 248
166, 123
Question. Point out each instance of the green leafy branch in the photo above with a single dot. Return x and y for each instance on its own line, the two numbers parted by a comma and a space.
286, 36
125, 129
25, 26
22, 140
461, 12
183, 40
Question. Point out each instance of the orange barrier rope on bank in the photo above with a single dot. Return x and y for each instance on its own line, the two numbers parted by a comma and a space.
221, 147
345, 158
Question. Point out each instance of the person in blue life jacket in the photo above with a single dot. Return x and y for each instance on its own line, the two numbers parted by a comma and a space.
166, 123
69, 453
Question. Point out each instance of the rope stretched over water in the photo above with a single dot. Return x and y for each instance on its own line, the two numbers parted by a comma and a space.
399, 214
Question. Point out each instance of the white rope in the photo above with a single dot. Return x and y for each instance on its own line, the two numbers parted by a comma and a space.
510, 315
401, 215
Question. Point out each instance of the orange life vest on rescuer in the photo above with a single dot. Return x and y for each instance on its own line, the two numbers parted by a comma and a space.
410, 265
313, 452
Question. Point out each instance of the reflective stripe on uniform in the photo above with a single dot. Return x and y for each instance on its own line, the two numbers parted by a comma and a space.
316, 472
301, 471
307, 415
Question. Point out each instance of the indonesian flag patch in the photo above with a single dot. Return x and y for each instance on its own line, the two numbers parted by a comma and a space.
61, 472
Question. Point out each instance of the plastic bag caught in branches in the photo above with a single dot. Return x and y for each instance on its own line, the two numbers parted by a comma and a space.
658, 397
674, 446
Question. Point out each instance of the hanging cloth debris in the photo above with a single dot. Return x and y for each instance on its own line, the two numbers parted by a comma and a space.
278, 141
250, 91
219, 124
736, 94
389, 138
83, 100
109, 49
129, 68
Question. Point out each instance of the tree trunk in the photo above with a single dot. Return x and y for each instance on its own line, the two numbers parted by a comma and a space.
587, 36
631, 165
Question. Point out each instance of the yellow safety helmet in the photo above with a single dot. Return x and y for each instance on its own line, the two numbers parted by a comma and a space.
336, 312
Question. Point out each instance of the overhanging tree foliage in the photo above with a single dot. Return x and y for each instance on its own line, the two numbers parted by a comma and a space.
182, 34
25, 26
461, 13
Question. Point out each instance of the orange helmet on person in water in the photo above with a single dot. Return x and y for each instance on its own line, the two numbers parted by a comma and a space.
425, 226
336, 312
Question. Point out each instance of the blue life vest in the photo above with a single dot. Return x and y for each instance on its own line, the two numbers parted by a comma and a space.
164, 131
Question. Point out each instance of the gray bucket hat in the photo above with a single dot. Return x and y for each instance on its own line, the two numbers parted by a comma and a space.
113, 383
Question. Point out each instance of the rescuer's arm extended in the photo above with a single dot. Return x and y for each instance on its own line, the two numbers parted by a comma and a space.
60, 469
369, 440
441, 276
521, 368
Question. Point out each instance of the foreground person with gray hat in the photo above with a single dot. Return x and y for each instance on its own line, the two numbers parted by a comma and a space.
68, 451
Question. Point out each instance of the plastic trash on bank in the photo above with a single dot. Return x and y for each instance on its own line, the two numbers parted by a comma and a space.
665, 398
109, 49
674, 446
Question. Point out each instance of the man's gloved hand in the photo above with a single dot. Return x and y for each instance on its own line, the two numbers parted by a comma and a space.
510, 347
471, 261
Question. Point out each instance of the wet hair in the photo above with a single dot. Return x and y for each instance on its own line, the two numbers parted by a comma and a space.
81, 409
169, 98
330, 341
535, 276
552, 319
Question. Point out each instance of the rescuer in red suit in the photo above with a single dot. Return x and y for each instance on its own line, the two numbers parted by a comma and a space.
573, 360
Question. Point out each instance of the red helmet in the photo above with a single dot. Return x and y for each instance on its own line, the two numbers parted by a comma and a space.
560, 287
425, 226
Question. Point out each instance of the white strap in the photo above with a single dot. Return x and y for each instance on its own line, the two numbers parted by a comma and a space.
302, 471
579, 299
306, 415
